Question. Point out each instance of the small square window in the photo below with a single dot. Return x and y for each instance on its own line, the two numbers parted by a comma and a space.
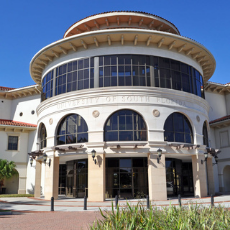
13, 143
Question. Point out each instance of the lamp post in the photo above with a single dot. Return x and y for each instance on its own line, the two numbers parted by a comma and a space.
93, 155
159, 153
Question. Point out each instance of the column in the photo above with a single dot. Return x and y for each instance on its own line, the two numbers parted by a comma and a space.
51, 178
37, 188
199, 176
96, 178
157, 178
211, 185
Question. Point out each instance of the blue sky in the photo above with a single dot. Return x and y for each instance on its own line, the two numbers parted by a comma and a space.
27, 26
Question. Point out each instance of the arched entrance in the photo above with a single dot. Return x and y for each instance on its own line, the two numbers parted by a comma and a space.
226, 174
11, 185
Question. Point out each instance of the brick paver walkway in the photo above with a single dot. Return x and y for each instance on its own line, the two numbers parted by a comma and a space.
49, 220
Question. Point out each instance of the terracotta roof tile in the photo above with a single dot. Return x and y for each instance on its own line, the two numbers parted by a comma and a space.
220, 119
16, 123
5, 88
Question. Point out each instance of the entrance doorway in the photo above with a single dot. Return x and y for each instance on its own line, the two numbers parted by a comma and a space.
126, 177
76, 179
179, 177
226, 173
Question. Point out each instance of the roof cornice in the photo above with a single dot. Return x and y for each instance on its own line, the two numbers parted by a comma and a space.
21, 92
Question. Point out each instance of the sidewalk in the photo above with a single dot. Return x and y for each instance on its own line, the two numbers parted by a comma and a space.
35, 214
25, 204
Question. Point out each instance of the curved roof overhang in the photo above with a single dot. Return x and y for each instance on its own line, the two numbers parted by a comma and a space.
159, 39
217, 87
121, 19
21, 92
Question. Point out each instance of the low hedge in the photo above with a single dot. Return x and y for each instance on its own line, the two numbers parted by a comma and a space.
16, 195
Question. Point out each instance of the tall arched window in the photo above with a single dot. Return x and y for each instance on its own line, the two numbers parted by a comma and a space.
125, 125
178, 129
72, 129
205, 135
42, 136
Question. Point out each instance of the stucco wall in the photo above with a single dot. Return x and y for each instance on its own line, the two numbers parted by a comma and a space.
5, 108
217, 105
227, 99
26, 106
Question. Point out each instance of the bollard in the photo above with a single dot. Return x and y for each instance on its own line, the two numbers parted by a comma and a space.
116, 201
52, 204
179, 199
212, 201
85, 203
147, 201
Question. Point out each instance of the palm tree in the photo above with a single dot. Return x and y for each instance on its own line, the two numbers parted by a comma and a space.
7, 170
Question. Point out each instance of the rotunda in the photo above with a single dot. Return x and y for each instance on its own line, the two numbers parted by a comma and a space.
123, 110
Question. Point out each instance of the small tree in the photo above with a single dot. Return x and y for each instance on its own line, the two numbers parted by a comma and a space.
7, 170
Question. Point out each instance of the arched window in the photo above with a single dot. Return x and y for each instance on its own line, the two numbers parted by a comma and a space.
205, 135
178, 129
42, 136
72, 129
125, 125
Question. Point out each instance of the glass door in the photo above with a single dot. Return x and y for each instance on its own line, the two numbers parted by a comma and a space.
77, 178
126, 177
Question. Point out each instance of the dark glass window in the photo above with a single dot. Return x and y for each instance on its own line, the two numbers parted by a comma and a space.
124, 70
178, 129
125, 125
47, 86
205, 135
74, 76
42, 136
126, 177
72, 129
75, 179
12, 142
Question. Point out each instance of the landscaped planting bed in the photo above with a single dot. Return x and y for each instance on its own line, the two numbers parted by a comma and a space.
172, 217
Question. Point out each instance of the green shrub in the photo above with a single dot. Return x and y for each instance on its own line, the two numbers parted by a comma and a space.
16, 195
172, 217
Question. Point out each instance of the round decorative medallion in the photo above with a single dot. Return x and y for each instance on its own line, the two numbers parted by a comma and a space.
51, 121
156, 113
198, 118
96, 113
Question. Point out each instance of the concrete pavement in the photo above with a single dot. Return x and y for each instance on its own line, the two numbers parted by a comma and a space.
24, 204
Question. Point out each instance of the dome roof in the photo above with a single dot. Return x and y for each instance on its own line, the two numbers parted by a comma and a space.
121, 19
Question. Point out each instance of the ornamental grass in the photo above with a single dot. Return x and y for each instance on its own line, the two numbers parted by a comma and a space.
172, 217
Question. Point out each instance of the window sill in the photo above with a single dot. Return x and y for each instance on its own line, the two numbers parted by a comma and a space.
8, 150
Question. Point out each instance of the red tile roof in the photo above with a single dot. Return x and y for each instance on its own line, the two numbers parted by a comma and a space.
16, 123
5, 88
220, 119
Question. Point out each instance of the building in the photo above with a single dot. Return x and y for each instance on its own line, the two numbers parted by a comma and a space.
123, 112
18, 127
218, 97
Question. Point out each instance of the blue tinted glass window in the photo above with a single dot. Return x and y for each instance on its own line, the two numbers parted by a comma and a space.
72, 129
125, 125
177, 128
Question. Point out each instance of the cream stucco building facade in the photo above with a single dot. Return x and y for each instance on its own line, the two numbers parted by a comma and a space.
129, 89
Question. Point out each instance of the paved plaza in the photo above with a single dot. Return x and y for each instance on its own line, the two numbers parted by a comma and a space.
31, 213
